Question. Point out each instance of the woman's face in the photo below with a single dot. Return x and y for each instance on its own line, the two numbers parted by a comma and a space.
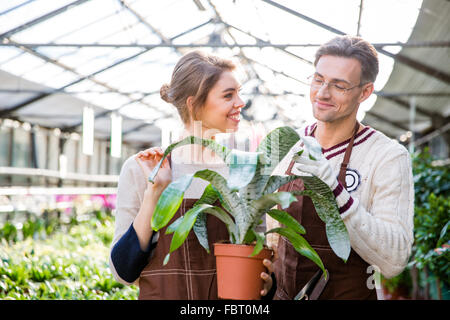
222, 108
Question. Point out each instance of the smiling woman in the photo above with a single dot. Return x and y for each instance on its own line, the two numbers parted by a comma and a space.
205, 92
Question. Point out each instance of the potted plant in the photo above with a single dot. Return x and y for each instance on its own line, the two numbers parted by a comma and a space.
247, 195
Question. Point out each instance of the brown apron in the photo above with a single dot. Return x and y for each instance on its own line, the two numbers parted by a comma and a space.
292, 270
190, 273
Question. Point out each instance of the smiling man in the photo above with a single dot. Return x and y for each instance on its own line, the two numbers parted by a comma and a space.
369, 174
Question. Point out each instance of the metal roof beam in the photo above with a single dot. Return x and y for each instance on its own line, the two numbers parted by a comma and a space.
414, 94
261, 44
302, 16
358, 29
406, 105
278, 72
4, 113
440, 131
397, 57
241, 52
145, 22
16, 7
432, 72
384, 119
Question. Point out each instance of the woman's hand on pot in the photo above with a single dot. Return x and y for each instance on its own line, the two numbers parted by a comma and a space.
267, 277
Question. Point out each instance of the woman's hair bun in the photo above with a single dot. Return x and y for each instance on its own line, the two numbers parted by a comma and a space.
164, 92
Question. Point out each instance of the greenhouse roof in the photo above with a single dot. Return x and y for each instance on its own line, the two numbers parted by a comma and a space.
57, 57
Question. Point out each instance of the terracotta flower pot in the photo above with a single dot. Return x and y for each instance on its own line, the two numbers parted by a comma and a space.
238, 274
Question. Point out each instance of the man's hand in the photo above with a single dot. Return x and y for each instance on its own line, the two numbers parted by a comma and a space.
267, 277
317, 165
313, 162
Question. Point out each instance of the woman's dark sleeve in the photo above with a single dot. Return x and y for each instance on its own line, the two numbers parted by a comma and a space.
127, 256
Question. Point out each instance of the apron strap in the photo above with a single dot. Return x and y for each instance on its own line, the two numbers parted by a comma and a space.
344, 164
348, 152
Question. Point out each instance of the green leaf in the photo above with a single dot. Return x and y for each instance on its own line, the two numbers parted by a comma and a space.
327, 210
188, 221
249, 236
218, 149
169, 201
442, 234
225, 218
166, 259
242, 168
274, 147
201, 231
286, 219
300, 245
172, 227
260, 238
276, 182
230, 198
185, 226
231, 201
209, 196
266, 202
257, 208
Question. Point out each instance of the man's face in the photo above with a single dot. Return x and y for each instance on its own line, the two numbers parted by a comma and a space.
332, 102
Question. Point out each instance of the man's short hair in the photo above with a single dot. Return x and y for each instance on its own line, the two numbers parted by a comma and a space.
353, 47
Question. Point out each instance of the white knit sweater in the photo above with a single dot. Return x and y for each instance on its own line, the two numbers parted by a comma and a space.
380, 200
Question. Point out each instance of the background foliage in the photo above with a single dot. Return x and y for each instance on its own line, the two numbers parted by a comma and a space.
428, 273
47, 259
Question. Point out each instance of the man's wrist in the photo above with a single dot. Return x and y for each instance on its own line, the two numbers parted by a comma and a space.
338, 188
343, 198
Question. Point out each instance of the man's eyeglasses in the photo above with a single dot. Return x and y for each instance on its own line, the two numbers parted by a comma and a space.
317, 82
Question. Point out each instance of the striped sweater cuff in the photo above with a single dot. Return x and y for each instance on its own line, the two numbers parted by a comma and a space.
343, 199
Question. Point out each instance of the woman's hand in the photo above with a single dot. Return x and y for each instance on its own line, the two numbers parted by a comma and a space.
147, 160
267, 277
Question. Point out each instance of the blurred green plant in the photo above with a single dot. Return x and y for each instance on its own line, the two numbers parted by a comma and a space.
66, 265
431, 224
429, 178
40, 227
431, 235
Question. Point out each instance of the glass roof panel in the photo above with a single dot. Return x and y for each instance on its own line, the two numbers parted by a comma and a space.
44, 72
22, 64
129, 78
182, 11
69, 21
29, 12
6, 6
9, 53
341, 15
139, 74
61, 80
56, 52
102, 27
389, 10
138, 110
